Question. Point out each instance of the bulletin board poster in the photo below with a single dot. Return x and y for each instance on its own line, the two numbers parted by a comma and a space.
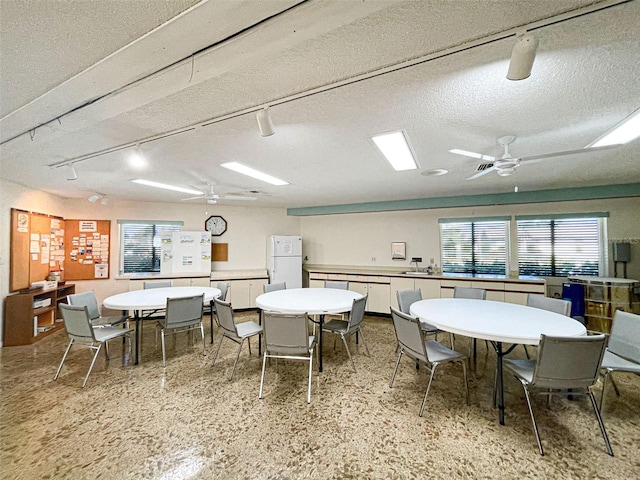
87, 249
37, 247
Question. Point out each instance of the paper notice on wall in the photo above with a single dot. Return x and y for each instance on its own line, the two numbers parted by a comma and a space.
34, 247
187, 261
23, 223
45, 245
87, 226
101, 270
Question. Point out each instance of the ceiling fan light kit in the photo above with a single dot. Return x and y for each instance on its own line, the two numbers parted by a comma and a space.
522, 57
71, 174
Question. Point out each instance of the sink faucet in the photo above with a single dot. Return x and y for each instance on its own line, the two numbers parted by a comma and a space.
417, 261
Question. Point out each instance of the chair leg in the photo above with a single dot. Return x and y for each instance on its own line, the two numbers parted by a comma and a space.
344, 340
424, 400
204, 347
264, 364
395, 370
600, 422
106, 351
93, 361
164, 355
236, 361
310, 375
533, 419
604, 386
64, 357
215, 355
366, 348
464, 376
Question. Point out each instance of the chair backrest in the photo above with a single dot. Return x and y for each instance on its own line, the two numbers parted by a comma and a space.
340, 285
473, 293
624, 340
286, 334
406, 298
272, 287
86, 299
77, 323
357, 313
224, 288
183, 311
224, 312
555, 305
157, 284
568, 362
409, 334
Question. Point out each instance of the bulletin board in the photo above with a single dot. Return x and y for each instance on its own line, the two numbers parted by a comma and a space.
87, 249
37, 247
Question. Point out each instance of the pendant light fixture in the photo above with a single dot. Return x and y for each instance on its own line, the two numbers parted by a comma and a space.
264, 122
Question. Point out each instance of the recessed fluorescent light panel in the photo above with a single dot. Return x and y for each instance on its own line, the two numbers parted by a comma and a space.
149, 183
250, 172
625, 132
395, 148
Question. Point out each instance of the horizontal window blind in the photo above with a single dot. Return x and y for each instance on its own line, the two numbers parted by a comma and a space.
474, 247
141, 245
559, 247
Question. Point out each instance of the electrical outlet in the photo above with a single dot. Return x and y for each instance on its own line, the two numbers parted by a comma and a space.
431, 260
373, 259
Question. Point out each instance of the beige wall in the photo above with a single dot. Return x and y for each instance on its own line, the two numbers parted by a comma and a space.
346, 240
364, 239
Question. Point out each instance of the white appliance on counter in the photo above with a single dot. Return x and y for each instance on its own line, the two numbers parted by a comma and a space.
284, 259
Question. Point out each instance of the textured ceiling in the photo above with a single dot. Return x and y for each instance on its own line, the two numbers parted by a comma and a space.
82, 77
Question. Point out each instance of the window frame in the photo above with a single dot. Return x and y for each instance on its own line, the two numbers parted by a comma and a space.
505, 220
155, 223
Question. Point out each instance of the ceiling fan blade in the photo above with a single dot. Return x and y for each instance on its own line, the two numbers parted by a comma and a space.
237, 197
567, 152
481, 173
193, 198
480, 156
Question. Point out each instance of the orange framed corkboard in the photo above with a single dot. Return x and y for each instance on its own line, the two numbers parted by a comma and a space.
87, 249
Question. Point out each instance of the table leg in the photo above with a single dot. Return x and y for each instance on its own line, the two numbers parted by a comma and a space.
136, 314
260, 336
320, 343
500, 353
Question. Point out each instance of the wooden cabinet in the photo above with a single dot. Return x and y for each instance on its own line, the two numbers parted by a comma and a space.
33, 315
243, 293
135, 284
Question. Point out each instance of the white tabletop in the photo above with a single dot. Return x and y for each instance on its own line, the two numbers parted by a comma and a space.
497, 321
315, 301
154, 298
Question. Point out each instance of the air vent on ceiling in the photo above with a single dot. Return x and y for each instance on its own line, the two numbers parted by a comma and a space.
483, 166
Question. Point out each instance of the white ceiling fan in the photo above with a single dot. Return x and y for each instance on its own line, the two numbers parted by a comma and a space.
212, 197
507, 165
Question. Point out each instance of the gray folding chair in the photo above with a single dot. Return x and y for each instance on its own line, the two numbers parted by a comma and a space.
183, 314
272, 287
81, 332
564, 366
211, 310
413, 343
473, 294
350, 326
339, 285
556, 305
157, 284
623, 351
287, 336
405, 299
88, 299
158, 313
236, 332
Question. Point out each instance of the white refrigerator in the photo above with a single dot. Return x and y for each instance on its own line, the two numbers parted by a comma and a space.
284, 259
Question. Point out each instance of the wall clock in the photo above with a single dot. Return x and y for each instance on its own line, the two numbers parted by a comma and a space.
216, 225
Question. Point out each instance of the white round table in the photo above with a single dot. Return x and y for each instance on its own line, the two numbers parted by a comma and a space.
156, 299
313, 301
497, 322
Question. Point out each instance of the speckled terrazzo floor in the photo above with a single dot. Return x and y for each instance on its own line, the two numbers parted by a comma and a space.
189, 421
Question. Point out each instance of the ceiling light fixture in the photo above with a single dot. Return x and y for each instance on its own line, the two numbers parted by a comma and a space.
71, 173
136, 159
264, 122
523, 55
435, 172
94, 198
250, 172
104, 201
624, 132
395, 148
149, 183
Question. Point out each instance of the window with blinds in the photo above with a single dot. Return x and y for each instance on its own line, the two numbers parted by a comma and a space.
476, 247
559, 247
140, 245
